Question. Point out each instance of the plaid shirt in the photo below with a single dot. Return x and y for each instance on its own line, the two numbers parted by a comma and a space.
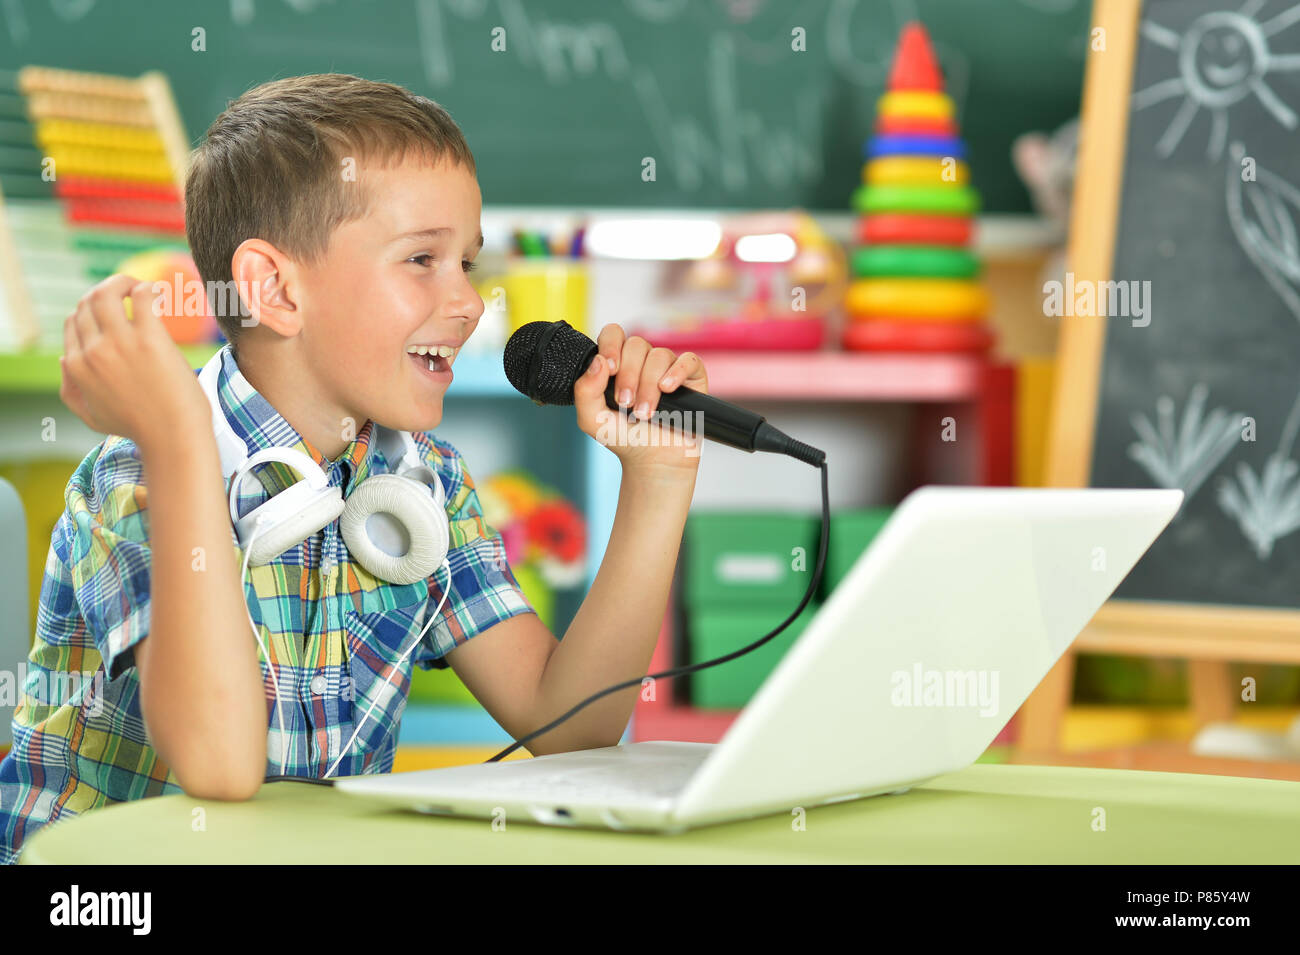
332, 629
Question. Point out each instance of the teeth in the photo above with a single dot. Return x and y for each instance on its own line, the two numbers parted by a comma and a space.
445, 351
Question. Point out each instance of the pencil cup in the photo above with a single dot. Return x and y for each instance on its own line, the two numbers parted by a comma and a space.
547, 291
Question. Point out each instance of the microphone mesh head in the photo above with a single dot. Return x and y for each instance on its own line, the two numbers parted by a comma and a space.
543, 360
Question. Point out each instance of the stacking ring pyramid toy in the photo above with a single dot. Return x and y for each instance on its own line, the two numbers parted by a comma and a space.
916, 284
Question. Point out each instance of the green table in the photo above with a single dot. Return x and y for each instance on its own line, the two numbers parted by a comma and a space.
982, 814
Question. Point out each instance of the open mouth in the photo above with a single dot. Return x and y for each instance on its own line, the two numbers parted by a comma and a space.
433, 366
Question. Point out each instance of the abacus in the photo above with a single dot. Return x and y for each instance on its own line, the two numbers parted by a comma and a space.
92, 169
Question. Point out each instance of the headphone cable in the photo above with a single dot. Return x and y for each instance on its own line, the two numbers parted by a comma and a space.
270, 666
394, 668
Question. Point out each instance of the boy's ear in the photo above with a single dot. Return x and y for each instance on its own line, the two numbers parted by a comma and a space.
262, 278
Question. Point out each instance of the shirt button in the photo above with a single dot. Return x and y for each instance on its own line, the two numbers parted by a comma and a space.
318, 684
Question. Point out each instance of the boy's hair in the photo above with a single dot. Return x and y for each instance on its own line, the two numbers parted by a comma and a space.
272, 166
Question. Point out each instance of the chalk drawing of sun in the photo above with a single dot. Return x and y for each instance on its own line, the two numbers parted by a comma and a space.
1222, 58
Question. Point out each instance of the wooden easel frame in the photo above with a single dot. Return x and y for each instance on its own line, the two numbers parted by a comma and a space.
1208, 636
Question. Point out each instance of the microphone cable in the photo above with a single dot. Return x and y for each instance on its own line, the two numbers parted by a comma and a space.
691, 668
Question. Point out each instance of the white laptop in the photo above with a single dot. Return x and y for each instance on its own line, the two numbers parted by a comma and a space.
919, 658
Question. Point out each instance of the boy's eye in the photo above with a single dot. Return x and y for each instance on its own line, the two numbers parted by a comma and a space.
467, 265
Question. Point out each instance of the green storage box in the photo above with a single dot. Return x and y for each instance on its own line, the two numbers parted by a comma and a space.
851, 533
715, 633
747, 559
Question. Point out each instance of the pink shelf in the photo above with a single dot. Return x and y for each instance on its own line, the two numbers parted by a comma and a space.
847, 376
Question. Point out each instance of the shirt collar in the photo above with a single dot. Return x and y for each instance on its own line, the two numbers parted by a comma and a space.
256, 422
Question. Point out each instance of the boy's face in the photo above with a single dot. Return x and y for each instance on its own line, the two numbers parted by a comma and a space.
382, 287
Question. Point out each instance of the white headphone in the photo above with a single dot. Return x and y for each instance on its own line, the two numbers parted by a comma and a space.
395, 525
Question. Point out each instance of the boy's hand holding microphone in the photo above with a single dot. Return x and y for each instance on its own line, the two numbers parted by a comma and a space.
553, 363
641, 373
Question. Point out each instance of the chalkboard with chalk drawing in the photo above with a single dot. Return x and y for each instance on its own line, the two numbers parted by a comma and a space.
1200, 377
562, 102
1179, 362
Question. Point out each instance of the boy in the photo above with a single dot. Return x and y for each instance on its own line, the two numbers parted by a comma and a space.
346, 212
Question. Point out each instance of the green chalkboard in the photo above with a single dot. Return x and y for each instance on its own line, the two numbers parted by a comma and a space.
585, 89
1199, 391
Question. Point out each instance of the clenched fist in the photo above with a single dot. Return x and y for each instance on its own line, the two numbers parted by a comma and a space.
127, 377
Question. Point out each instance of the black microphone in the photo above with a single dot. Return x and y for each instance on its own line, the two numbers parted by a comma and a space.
544, 360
